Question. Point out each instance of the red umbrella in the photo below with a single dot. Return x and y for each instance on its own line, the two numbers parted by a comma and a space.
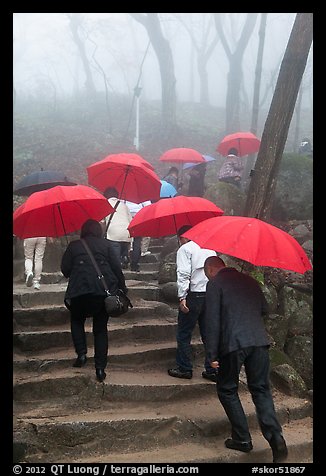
244, 142
133, 180
252, 240
59, 210
166, 216
182, 154
138, 158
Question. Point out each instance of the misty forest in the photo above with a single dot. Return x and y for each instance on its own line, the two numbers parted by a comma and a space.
90, 85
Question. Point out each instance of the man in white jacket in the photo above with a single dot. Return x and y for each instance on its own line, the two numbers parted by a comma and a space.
191, 281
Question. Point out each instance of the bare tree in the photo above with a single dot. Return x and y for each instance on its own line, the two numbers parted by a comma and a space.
235, 75
204, 49
255, 102
75, 23
262, 187
164, 55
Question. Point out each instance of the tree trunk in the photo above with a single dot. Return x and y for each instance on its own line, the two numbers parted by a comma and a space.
263, 183
255, 103
203, 77
297, 121
74, 22
164, 55
232, 107
235, 76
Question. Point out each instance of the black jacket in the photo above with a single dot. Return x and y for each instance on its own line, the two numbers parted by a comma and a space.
78, 267
235, 305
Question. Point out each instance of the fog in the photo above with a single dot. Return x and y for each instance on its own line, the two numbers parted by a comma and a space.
46, 56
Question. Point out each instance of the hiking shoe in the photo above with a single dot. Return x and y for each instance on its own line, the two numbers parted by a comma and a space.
37, 285
146, 253
179, 373
209, 375
80, 361
29, 279
100, 374
245, 446
279, 449
135, 268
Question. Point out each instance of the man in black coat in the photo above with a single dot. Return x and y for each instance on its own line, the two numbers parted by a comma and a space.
85, 292
236, 336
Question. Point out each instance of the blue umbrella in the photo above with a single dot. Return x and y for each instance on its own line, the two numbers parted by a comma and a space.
167, 190
207, 158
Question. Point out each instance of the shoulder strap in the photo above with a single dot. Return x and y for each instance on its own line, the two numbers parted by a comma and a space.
99, 274
111, 216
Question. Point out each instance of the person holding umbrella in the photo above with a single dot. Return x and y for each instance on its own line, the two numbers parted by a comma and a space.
191, 281
172, 177
34, 249
236, 336
85, 293
196, 186
116, 226
232, 167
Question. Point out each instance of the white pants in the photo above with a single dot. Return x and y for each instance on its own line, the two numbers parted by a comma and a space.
34, 251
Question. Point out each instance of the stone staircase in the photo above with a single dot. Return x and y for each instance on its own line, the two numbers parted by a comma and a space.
139, 414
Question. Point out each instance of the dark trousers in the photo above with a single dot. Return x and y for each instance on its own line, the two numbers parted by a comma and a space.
136, 253
256, 364
186, 325
90, 306
121, 250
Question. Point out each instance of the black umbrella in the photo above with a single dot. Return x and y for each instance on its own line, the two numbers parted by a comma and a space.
41, 180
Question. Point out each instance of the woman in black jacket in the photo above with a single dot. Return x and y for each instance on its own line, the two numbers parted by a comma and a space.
85, 292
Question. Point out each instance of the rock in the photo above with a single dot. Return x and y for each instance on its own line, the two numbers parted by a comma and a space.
300, 351
287, 379
169, 292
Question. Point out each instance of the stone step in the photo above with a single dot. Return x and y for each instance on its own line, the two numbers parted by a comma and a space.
133, 356
155, 248
298, 435
54, 293
152, 258
142, 275
43, 317
121, 385
92, 432
151, 331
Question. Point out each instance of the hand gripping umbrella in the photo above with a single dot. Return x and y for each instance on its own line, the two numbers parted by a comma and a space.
252, 240
166, 216
58, 211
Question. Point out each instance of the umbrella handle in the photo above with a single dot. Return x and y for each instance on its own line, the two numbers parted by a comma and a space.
124, 181
63, 225
176, 231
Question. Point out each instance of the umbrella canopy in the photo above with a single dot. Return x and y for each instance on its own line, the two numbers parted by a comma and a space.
133, 180
182, 154
58, 211
167, 190
244, 142
252, 240
41, 180
189, 165
166, 216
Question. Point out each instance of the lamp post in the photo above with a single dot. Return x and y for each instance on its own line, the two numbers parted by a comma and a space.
137, 91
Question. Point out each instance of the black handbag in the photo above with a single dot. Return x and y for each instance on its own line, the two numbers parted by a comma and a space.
115, 304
